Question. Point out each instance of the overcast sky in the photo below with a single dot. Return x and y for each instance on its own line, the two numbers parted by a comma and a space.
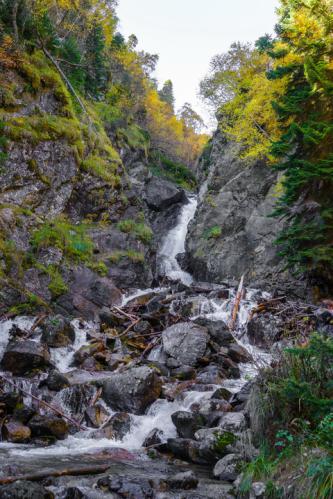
186, 34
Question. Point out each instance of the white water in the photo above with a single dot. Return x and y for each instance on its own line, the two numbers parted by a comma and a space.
62, 357
159, 414
174, 244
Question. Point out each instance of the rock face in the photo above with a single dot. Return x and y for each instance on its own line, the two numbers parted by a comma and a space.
185, 342
21, 357
132, 391
160, 194
232, 233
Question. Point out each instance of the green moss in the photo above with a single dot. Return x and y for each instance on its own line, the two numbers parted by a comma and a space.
223, 439
99, 267
102, 168
133, 255
213, 232
33, 167
178, 173
60, 233
140, 230
136, 137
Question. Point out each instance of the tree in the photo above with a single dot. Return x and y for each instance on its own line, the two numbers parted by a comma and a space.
166, 94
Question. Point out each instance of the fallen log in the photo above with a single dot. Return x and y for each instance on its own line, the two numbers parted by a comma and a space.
35, 477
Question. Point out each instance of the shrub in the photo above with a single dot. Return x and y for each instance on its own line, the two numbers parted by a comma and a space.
213, 233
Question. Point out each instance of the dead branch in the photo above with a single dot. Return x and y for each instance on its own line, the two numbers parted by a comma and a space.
237, 304
35, 477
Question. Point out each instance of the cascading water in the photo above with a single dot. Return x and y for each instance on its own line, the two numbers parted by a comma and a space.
159, 414
174, 244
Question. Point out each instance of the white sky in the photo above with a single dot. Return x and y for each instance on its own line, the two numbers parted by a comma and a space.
186, 34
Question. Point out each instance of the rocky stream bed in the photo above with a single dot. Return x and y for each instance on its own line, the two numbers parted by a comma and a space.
149, 401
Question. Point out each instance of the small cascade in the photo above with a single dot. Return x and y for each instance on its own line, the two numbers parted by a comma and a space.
174, 244
62, 357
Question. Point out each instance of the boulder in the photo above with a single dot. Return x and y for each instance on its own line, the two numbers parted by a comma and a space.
183, 373
264, 330
133, 390
217, 330
10, 401
16, 432
154, 437
127, 487
239, 354
24, 356
183, 481
25, 490
187, 423
57, 331
55, 381
185, 342
48, 426
116, 429
160, 194
234, 422
96, 415
227, 468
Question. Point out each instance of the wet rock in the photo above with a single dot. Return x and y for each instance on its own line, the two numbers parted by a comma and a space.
55, 381
88, 351
214, 405
183, 448
57, 331
264, 330
16, 432
160, 194
227, 468
116, 429
233, 421
222, 393
218, 331
211, 375
23, 414
127, 487
25, 490
110, 318
239, 354
214, 443
258, 489
96, 415
186, 342
49, 426
239, 399
24, 356
187, 423
133, 390
74, 493
154, 437
10, 401
183, 373
183, 481
75, 398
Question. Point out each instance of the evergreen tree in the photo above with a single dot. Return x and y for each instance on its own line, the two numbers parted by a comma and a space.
166, 94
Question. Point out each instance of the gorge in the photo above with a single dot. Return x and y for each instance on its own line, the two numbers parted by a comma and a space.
166, 321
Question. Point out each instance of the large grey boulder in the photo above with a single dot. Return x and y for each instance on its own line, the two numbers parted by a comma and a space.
133, 390
21, 357
185, 342
234, 422
227, 468
25, 490
160, 194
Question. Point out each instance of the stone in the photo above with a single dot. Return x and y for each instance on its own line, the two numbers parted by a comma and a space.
264, 330
96, 415
184, 373
25, 490
49, 426
186, 342
116, 429
21, 357
160, 194
222, 393
127, 487
57, 331
217, 330
11, 400
187, 423
239, 354
23, 414
55, 381
16, 432
234, 422
88, 351
154, 437
133, 390
258, 490
183, 481
227, 468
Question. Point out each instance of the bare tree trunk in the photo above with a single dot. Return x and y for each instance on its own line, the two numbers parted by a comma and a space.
15, 7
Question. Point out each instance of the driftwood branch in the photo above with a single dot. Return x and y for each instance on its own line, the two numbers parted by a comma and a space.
35, 477
237, 304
